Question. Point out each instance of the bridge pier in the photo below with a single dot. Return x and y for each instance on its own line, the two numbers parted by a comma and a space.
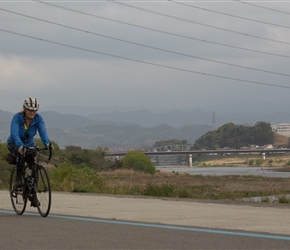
190, 160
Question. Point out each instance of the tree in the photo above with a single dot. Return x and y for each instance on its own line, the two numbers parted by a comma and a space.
162, 143
138, 161
263, 133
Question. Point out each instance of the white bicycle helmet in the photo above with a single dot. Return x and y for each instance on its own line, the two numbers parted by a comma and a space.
31, 104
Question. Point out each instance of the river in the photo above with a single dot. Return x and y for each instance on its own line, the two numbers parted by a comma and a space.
220, 171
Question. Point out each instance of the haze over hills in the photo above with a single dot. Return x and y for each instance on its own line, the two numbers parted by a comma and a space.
239, 112
135, 128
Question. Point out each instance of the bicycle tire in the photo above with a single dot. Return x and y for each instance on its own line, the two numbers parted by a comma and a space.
17, 194
43, 191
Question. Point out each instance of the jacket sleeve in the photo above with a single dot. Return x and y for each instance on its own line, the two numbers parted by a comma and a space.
15, 131
42, 131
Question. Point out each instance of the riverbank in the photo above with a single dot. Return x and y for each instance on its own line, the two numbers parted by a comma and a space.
277, 161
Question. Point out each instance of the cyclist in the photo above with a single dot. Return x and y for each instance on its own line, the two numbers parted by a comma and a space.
24, 126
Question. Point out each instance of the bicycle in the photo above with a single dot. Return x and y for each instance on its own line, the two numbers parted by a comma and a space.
36, 184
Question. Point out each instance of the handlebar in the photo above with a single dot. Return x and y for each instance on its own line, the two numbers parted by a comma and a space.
46, 148
37, 148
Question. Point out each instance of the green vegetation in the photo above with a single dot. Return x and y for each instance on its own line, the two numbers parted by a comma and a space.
76, 170
236, 136
283, 199
259, 162
81, 179
180, 185
251, 162
162, 143
139, 162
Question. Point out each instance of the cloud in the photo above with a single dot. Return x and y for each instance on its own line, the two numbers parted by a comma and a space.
171, 56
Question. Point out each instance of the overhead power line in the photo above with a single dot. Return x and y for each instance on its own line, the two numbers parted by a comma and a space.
230, 15
164, 32
199, 23
144, 62
144, 45
263, 7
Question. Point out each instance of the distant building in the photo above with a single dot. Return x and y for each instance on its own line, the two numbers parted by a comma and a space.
282, 129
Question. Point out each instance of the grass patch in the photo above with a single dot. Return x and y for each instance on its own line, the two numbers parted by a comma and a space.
283, 199
165, 184
193, 186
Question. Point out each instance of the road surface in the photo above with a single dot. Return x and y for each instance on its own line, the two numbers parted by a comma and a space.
84, 221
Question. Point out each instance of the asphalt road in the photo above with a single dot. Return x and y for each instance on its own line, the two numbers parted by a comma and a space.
82, 221
57, 232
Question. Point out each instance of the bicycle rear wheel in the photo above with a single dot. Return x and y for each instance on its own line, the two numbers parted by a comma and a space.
17, 194
43, 191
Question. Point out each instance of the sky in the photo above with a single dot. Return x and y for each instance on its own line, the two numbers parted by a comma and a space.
155, 55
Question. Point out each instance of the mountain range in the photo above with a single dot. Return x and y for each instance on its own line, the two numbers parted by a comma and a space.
135, 128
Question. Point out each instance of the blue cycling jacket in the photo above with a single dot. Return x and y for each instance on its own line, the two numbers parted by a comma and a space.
17, 132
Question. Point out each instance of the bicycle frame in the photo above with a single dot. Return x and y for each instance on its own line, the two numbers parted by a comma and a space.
36, 186
30, 163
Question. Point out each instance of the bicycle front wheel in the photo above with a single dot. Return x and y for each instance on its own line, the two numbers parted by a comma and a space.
17, 194
43, 191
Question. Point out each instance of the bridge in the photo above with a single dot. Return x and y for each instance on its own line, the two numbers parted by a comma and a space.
209, 152
189, 153
181, 147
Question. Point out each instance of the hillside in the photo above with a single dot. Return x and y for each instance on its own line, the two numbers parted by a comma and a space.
280, 140
123, 129
127, 136
77, 130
